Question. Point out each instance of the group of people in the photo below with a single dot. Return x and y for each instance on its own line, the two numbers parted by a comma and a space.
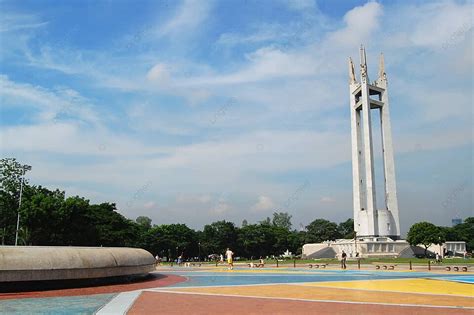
344, 259
229, 256
230, 259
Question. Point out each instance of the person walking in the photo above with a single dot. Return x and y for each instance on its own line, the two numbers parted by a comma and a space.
343, 260
229, 255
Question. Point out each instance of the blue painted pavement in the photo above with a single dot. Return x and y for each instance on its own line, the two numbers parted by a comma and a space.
56, 305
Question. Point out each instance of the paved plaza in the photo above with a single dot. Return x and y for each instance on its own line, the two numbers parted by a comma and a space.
208, 290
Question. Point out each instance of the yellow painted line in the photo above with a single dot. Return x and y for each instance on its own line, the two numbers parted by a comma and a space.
427, 286
334, 294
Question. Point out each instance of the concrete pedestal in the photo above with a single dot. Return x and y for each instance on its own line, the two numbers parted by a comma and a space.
39, 263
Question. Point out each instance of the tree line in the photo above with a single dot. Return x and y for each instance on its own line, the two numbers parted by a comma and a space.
48, 217
426, 233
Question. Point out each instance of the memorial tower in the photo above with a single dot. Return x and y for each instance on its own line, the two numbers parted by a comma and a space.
366, 96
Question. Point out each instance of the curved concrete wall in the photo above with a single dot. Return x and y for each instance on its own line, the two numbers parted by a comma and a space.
32, 263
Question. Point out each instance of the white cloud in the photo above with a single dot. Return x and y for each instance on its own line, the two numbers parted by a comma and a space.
189, 16
149, 205
220, 208
50, 104
71, 139
183, 198
300, 4
438, 23
264, 64
360, 22
290, 101
327, 199
13, 22
159, 73
258, 34
264, 203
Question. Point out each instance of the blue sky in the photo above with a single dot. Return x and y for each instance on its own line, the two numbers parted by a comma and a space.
197, 111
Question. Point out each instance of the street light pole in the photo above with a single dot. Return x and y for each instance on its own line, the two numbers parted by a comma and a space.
19, 206
199, 252
355, 243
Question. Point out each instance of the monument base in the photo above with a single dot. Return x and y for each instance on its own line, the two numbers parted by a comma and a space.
368, 247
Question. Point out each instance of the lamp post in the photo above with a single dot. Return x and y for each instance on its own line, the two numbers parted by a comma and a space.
355, 243
440, 247
19, 206
177, 260
199, 252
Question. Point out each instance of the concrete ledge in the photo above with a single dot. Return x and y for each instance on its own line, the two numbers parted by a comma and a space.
39, 263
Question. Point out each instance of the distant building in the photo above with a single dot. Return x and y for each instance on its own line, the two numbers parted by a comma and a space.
456, 221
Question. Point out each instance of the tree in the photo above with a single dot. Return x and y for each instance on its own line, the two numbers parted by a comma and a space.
321, 230
296, 240
424, 233
244, 223
346, 229
144, 221
280, 237
282, 219
264, 239
48, 218
267, 221
42, 212
11, 173
172, 240
465, 232
76, 226
218, 236
252, 241
113, 229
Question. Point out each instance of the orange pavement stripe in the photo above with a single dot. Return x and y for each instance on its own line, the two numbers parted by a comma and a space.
166, 303
335, 294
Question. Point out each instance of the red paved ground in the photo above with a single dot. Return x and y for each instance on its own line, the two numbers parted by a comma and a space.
172, 303
156, 281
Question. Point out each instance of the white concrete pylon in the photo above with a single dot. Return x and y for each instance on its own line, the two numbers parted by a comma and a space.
364, 96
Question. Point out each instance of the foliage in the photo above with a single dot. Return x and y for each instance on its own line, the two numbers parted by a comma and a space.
11, 173
346, 229
424, 233
218, 236
282, 219
267, 221
48, 217
144, 221
172, 240
461, 232
321, 230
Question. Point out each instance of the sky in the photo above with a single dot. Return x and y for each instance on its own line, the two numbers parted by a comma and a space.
198, 111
